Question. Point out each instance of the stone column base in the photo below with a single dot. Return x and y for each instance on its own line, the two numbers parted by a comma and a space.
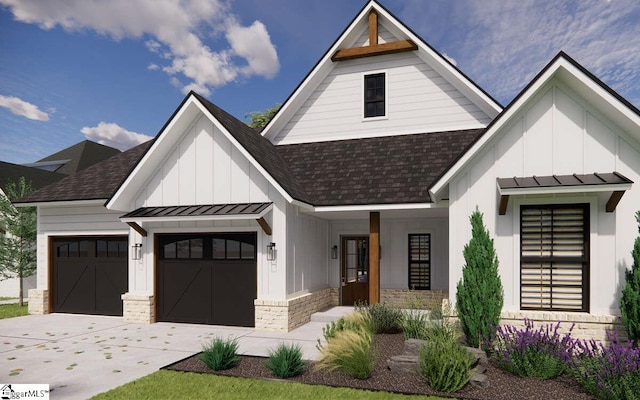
38, 301
138, 308
287, 315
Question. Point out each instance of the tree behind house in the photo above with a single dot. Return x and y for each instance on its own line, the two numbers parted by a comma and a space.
479, 295
18, 244
630, 301
259, 119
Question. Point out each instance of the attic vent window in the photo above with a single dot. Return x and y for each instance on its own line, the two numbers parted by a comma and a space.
374, 95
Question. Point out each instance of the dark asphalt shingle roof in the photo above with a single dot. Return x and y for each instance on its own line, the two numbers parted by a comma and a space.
98, 181
36, 177
81, 155
382, 170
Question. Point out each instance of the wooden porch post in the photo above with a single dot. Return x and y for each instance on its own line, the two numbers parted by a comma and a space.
374, 257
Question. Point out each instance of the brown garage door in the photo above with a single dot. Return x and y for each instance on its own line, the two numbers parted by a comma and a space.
207, 278
89, 274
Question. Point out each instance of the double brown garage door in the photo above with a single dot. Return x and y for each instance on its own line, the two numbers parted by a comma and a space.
89, 274
207, 278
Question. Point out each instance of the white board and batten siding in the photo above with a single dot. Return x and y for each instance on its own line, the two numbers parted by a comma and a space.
307, 252
418, 100
394, 246
558, 133
72, 221
206, 168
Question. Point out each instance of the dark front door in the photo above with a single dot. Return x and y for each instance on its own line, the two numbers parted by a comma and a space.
355, 270
207, 278
89, 274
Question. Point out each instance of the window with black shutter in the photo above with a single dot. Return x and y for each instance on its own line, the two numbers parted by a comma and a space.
420, 261
554, 257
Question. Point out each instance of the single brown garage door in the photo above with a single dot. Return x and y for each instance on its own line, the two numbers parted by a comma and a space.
207, 278
89, 274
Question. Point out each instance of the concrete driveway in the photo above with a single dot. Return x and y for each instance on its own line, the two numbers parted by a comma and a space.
80, 356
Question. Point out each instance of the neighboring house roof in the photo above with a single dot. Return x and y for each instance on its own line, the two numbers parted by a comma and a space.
95, 182
565, 69
382, 170
36, 177
76, 158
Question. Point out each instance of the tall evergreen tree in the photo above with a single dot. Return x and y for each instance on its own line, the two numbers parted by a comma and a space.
630, 301
479, 295
18, 243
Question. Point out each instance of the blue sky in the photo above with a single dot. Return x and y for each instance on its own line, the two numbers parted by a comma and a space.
112, 71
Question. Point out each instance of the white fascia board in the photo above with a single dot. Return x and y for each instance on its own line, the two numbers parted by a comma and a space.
233, 217
302, 205
245, 153
500, 122
564, 189
119, 201
67, 203
383, 207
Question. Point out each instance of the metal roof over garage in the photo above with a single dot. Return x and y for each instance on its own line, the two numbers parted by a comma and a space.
210, 211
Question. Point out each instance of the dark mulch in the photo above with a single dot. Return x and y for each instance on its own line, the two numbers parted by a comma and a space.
502, 384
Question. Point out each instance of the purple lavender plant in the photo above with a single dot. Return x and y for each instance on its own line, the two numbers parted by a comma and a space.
541, 353
611, 372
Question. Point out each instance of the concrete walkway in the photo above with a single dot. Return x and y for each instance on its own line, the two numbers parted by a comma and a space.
80, 356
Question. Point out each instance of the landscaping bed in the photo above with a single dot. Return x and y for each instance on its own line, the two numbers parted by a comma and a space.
502, 384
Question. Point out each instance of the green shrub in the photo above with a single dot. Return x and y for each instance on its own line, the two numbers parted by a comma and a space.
479, 295
414, 325
286, 360
360, 320
350, 351
385, 318
440, 325
445, 365
220, 354
630, 300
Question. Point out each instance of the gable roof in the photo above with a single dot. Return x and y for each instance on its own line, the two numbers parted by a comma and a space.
77, 157
36, 177
381, 170
257, 149
95, 182
348, 37
580, 80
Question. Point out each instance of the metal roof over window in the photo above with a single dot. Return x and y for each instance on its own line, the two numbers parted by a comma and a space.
199, 212
576, 183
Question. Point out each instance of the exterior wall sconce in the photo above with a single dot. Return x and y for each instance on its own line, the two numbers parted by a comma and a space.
271, 251
334, 252
136, 251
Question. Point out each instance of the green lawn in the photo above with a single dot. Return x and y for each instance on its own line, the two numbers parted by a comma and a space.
13, 310
183, 385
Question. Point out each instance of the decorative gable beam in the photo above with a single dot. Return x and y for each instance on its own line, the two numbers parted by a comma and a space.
374, 48
138, 228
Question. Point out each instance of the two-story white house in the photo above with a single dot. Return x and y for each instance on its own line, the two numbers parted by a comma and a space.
359, 189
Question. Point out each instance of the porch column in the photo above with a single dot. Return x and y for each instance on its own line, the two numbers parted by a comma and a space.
374, 257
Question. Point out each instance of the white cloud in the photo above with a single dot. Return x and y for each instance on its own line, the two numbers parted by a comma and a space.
175, 31
113, 135
23, 108
153, 67
502, 44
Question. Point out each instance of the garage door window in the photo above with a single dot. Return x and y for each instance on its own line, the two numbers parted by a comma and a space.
187, 248
79, 248
111, 248
233, 248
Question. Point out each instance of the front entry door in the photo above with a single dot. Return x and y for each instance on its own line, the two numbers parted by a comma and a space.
355, 270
